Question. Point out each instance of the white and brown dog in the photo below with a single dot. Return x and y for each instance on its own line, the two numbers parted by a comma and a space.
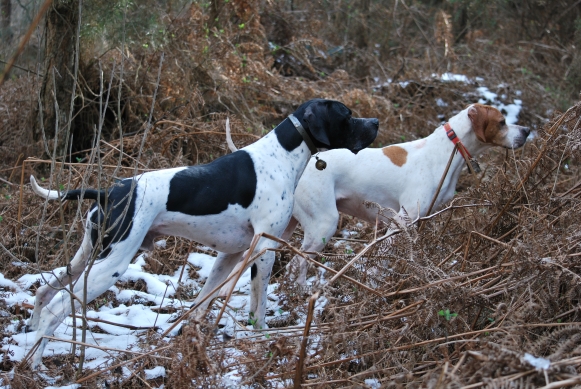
222, 204
402, 176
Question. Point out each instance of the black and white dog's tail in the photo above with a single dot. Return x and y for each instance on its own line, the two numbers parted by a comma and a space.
77, 194
229, 141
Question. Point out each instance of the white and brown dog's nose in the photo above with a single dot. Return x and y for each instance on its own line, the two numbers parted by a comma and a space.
525, 131
520, 137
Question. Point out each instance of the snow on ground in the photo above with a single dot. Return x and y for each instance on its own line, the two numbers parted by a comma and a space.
510, 109
136, 308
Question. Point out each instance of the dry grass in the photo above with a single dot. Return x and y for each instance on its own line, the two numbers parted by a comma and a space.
455, 304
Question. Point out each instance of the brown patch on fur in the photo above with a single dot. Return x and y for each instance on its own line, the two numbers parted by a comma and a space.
396, 154
486, 122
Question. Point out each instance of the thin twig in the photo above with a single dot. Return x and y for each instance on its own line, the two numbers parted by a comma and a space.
303, 350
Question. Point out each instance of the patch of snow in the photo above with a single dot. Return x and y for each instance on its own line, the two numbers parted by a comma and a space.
71, 386
486, 94
349, 234
451, 77
373, 383
537, 363
203, 261
15, 294
156, 372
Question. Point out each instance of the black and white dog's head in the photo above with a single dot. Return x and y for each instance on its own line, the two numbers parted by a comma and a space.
331, 126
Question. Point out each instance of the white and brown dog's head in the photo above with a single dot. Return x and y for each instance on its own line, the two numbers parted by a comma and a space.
490, 127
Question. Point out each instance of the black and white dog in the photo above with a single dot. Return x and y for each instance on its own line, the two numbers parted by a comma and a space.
222, 205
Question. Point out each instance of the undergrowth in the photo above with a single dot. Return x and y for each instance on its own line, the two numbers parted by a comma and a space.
456, 303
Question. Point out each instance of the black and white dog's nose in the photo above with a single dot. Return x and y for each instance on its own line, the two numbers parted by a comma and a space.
375, 122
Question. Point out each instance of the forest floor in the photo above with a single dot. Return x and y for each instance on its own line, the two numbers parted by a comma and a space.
486, 294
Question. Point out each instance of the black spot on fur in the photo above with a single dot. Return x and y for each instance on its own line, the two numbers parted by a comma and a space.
120, 210
287, 135
209, 189
253, 271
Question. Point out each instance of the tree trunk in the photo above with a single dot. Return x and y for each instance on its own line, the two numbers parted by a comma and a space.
5, 19
53, 114
362, 30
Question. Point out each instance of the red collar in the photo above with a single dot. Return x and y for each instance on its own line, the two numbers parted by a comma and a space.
457, 142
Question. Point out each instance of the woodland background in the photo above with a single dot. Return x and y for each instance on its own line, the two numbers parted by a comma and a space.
103, 89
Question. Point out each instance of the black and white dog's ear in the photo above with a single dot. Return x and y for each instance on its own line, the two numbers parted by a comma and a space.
315, 116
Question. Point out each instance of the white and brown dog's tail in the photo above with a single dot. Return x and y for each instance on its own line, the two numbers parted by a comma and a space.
76, 194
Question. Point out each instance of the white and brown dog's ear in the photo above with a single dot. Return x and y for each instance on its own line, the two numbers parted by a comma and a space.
479, 117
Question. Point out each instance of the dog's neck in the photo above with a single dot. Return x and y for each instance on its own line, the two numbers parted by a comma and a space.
289, 137
439, 140
306, 137
288, 144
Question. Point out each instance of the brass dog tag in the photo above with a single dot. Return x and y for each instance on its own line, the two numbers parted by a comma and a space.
320, 164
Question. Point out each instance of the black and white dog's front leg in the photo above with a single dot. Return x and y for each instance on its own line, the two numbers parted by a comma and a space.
260, 272
222, 267
260, 275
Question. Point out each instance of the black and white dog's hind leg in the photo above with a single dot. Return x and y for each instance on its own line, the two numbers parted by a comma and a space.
117, 239
105, 271
45, 293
